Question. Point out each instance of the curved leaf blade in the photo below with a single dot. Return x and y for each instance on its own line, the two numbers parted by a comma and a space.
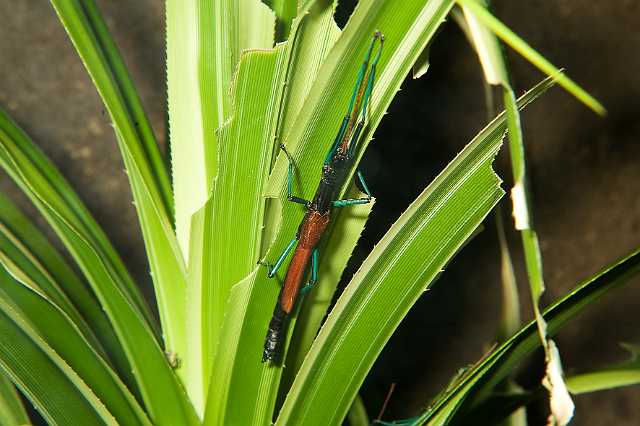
396, 273
495, 367
623, 374
43, 185
495, 69
408, 30
520, 46
55, 390
63, 336
235, 221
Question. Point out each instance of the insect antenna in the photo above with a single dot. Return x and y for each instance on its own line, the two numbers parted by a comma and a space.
354, 104
354, 141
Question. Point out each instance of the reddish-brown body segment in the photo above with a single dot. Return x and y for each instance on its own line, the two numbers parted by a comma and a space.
311, 230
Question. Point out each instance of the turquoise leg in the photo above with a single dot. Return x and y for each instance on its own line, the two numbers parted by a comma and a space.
272, 269
290, 195
364, 184
353, 201
314, 273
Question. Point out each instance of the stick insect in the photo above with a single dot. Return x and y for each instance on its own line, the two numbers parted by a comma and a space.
335, 169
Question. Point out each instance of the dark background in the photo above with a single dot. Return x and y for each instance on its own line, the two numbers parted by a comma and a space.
584, 174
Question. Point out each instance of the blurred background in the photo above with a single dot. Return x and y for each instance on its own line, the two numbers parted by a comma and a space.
584, 172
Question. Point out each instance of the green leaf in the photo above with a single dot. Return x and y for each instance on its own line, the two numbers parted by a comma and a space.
59, 395
510, 318
358, 413
520, 46
12, 412
246, 158
236, 219
33, 261
488, 49
234, 224
19, 262
623, 374
285, 11
167, 266
87, 244
204, 42
407, 31
63, 336
479, 381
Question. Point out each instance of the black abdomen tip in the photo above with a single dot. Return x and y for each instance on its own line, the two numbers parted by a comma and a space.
275, 337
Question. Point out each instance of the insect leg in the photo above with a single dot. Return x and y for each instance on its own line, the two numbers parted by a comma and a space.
272, 269
314, 273
290, 196
350, 202
364, 184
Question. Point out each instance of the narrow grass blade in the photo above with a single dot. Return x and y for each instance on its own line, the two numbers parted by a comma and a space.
204, 42
70, 204
12, 411
63, 336
510, 318
197, 361
488, 50
496, 366
520, 46
168, 269
495, 69
18, 265
623, 374
60, 197
43, 184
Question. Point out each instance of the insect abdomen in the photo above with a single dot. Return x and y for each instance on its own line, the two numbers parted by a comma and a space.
275, 336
